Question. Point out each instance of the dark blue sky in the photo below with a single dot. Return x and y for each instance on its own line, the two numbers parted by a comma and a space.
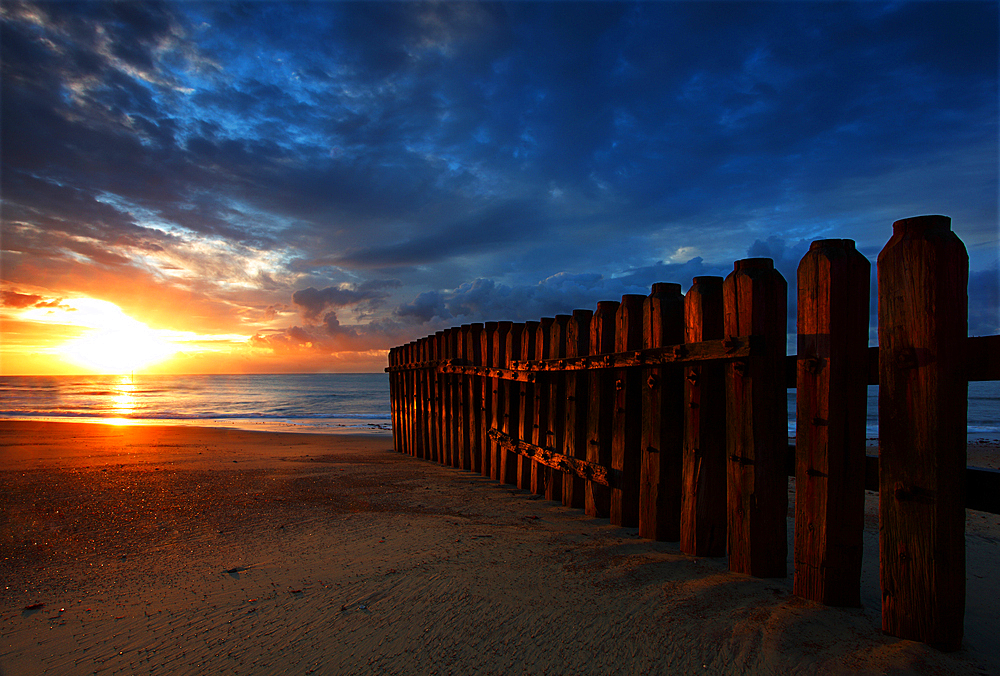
325, 177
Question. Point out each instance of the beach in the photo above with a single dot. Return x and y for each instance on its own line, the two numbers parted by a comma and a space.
186, 550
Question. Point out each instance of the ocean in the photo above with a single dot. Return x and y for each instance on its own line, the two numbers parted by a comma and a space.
296, 402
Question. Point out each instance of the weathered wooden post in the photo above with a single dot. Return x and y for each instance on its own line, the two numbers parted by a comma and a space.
462, 459
831, 402
408, 399
575, 435
500, 399
437, 384
600, 412
755, 299
448, 352
393, 361
526, 405
662, 418
923, 275
556, 422
703, 496
512, 407
421, 377
474, 396
457, 419
540, 416
626, 439
489, 386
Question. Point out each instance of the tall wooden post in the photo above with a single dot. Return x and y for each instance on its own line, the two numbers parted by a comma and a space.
512, 406
755, 298
575, 435
408, 376
540, 418
462, 456
500, 400
555, 433
703, 496
393, 360
662, 419
421, 378
923, 275
832, 403
626, 440
526, 405
474, 396
456, 400
489, 386
439, 422
600, 412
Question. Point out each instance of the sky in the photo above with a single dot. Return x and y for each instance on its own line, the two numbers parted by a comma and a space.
211, 187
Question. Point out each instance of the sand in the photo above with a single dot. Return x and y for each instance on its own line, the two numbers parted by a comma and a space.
135, 550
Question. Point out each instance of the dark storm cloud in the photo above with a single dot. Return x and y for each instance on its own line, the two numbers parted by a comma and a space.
473, 149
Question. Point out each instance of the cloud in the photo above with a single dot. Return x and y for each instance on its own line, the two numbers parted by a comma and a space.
312, 302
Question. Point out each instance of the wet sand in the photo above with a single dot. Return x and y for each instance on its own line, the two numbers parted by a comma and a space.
192, 550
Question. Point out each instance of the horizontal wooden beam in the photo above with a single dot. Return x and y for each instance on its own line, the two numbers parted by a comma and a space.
685, 353
564, 463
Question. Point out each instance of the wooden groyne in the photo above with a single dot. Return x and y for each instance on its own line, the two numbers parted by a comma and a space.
668, 413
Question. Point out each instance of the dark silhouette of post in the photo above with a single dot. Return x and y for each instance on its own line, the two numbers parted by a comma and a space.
489, 386
755, 303
662, 419
540, 413
526, 405
923, 275
474, 397
555, 433
703, 495
500, 398
832, 412
512, 406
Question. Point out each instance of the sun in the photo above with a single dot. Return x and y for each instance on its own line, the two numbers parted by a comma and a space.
114, 342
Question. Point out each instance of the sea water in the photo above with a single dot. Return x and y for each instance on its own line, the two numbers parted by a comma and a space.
354, 402
296, 402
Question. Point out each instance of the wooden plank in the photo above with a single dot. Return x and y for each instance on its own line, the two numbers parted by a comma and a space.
832, 403
662, 419
725, 349
703, 494
626, 437
540, 416
474, 354
600, 408
489, 386
420, 382
512, 406
526, 405
575, 435
394, 396
555, 432
923, 274
755, 303
440, 413
587, 471
463, 456
499, 398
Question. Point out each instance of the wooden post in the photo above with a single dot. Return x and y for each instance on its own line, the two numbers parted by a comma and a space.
437, 402
662, 419
512, 406
600, 412
923, 275
626, 440
408, 400
832, 412
575, 435
456, 401
703, 496
755, 299
489, 392
393, 360
419, 400
475, 398
526, 405
540, 418
462, 456
447, 435
500, 400
555, 432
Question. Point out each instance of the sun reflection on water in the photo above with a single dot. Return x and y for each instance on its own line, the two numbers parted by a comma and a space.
123, 401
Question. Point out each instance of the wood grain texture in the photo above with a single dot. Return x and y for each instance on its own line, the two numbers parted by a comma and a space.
526, 405
500, 399
600, 408
489, 386
540, 416
923, 274
577, 401
755, 303
832, 404
474, 355
555, 428
703, 494
662, 418
626, 437
512, 419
